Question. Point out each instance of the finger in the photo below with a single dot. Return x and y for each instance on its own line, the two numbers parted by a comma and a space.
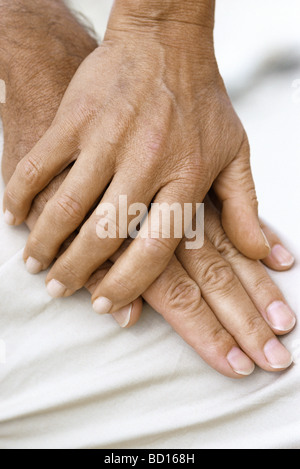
153, 247
99, 238
178, 299
280, 258
263, 292
232, 306
66, 210
43, 198
235, 188
53, 153
127, 316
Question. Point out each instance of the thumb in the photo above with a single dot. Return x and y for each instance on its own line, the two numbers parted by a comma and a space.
235, 188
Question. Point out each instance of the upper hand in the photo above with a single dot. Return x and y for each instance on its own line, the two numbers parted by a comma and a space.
147, 120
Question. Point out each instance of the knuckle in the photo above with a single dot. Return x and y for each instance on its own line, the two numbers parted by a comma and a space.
159, 250
29, 170
254, 326
219, 339
37, 247
66, 270
184, 295
223, 245
219, 334
69, 206
262, 283
216, 342
217, 275
119, 283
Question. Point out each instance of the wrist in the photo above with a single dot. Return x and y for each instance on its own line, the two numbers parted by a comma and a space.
185, 25
36, 35
33, 30
197, 12
41, 46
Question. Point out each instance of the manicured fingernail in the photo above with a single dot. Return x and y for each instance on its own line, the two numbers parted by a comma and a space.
102, 305
56, 289
281, 317
277, 355
9, 218
123, 316
33, 266
282, 256
240, 363
267, 244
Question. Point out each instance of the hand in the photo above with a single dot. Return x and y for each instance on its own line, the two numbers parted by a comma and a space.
33, 90
171, 293
128, 112
221, 303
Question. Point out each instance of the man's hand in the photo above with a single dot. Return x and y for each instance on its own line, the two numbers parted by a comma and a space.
41, 47
146, 116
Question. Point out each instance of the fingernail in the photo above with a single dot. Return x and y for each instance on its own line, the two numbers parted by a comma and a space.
281, 317
9, 218
102, 305
240, 363
282, 256
277, 355
33, 266
56, 289
123, 316
267, 244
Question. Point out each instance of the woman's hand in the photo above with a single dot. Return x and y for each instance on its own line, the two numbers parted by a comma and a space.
221, 303
146, 116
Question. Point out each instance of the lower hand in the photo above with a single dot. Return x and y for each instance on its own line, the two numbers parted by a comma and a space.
223, 304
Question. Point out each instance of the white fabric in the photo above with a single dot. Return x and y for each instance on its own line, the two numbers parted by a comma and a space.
75, 380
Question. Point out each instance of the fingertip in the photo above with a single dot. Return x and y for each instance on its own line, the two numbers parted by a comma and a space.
33, 266
129, 315
240, 363
9, 218
56, 289
279, 258
102, 305
12, 209
136, 312
277, 356
281, 317
13, 220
